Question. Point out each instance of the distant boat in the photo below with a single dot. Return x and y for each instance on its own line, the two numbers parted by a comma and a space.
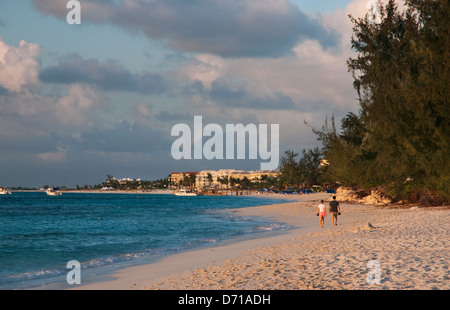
53, 192
183, 192
4, 191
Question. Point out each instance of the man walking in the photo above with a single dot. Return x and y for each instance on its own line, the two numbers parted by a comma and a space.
335, 210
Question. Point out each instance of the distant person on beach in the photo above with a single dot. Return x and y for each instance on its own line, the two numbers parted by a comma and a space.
335, 210
321, 212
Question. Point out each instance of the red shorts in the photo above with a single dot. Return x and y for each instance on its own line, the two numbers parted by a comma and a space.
322, 213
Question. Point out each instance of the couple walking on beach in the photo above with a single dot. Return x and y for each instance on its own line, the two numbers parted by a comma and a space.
334, 208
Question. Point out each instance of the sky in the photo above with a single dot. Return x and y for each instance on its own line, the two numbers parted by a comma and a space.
79, 101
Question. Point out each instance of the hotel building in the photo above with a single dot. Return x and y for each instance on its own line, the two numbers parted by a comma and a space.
211, 178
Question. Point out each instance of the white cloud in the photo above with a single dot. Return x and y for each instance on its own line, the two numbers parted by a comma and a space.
59, 156
314, 77
19, 66
78, 107
26, 110
205, 68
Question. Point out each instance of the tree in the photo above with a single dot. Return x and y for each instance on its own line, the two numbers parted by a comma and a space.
111, 181
400, 139
209, 178
309, 166
348, 161
289, 169
192, 180
401, 76
186, 180
233, 181
245, 183
224, 180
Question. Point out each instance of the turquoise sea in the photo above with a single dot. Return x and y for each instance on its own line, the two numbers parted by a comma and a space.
40, 234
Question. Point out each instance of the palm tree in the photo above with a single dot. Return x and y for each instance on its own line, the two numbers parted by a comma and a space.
192, 179
186, 180
210, 179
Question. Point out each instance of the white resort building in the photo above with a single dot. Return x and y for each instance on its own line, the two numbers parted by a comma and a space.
220, 178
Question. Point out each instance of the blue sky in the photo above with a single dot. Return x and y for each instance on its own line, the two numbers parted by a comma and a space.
320, 5
78, 102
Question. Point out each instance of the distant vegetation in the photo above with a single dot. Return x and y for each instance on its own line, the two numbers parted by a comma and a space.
302, 172
127, 184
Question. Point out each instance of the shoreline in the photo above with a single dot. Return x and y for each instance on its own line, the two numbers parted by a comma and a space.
104, 276
410, 244
95, 191
166, 192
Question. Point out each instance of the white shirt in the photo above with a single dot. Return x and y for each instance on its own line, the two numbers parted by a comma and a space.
322, 207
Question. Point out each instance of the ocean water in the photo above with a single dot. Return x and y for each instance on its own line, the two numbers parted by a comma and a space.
40, 234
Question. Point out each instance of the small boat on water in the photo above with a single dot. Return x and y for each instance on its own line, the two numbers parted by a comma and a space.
183, 192
53, 192
4, 191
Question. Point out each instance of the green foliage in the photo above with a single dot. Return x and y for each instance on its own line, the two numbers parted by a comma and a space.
400, 139
130, 184
306, 170
309, 166
290, 174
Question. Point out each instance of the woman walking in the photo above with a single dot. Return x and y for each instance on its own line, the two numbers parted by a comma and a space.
321, 212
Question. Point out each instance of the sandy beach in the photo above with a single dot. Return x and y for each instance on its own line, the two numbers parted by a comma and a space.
371, 248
